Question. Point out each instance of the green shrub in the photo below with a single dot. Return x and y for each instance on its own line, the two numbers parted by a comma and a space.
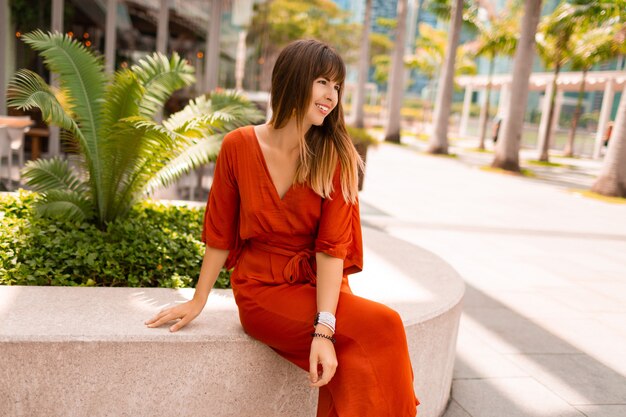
361, 136
156, 246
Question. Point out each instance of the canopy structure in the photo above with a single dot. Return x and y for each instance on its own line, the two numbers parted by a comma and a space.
607, 81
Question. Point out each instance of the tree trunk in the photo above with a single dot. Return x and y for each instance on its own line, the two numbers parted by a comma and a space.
439, 139
364, 64
508, 145
545, 146
484, 114
612, 178
396, 79
569, 148
269, 59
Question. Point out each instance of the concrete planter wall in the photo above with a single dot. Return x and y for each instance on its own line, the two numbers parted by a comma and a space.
85, 351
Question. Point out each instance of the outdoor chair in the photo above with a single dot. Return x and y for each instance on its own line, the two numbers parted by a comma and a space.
12, 144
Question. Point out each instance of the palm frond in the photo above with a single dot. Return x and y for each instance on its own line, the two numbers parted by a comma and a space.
192, 157
219, 111
149, 147
121, 99
161, 77
28, 90
81, 75
64, 204
52, 174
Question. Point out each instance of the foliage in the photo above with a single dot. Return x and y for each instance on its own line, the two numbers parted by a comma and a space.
360, 136
279, 22
571, 20
123, 153
498, 34
155, 246
430, 53
443, 8
595, 46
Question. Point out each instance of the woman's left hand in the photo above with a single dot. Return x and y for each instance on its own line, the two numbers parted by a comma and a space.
323, 353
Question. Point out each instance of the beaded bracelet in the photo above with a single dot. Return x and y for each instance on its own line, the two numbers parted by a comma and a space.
325, 336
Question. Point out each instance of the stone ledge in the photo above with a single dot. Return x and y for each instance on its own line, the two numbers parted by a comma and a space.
78, 351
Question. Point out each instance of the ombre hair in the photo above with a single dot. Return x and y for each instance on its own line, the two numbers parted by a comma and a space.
299, 64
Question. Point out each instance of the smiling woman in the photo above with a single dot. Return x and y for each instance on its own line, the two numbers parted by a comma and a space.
284, 212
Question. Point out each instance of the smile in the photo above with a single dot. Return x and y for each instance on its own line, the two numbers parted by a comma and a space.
323, 109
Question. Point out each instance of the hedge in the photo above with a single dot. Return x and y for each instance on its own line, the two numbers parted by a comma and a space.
157, 245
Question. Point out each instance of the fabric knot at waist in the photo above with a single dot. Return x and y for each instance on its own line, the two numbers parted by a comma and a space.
299, 267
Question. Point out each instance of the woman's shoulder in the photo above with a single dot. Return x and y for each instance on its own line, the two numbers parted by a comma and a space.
238, 142
238, 137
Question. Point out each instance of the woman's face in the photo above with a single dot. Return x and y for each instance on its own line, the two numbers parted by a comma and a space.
324, 97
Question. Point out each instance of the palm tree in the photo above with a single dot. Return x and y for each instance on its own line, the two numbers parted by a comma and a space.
590, 48
364, 61
507, 149
439, 139
496, 37
553, 43
612, 178
396, 81
123, 153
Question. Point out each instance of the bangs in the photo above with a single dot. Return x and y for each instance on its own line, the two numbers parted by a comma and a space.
331, 66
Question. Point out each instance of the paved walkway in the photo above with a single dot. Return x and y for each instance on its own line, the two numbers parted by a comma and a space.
544, 326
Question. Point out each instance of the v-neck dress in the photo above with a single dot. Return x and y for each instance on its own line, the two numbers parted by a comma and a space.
272, 244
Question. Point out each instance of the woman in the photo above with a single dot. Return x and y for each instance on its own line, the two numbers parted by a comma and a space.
283, 211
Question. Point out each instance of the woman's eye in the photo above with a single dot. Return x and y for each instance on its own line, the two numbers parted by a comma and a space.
337, 87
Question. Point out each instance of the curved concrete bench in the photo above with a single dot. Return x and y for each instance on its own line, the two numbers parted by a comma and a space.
85, 351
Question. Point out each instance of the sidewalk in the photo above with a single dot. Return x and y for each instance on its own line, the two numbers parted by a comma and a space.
544, 326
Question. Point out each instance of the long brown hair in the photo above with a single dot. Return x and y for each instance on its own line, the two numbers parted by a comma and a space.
299, 64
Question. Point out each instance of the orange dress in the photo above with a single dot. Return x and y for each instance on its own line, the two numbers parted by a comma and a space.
272, 243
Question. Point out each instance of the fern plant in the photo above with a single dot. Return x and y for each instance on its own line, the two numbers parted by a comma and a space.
124, 154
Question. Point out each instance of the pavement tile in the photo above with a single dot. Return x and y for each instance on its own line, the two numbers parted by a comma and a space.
455, 410
603, 410
508, 332
578, 379
588, 335
536, 304
475, 359
589, 301
509, 397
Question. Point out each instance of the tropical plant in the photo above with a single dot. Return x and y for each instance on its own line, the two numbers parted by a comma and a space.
122, 152
439, 139
496, 36
554, 42
278, 22
588, 49
507, 149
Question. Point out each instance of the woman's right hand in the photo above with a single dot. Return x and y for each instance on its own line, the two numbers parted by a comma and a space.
185, 312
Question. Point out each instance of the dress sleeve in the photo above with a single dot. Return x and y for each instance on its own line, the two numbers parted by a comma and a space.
339, 233
221, 216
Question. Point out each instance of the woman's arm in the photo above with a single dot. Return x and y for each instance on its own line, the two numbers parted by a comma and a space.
211, 264
329, 274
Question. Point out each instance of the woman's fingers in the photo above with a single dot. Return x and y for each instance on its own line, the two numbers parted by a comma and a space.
313, 369
328, 371
181, 323
163, 317
157, 317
